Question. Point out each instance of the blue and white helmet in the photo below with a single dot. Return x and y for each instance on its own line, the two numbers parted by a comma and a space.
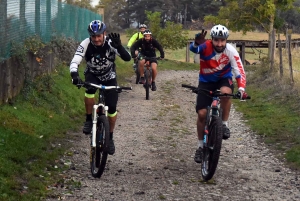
96, 27
219, 31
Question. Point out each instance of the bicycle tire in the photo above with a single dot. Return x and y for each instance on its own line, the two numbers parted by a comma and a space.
211, 153
137, 79
147, 83
100, 152
137, 73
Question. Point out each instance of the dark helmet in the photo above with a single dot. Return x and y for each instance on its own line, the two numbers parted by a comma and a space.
96, 27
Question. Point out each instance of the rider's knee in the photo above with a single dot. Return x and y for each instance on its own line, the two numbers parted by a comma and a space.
201, 114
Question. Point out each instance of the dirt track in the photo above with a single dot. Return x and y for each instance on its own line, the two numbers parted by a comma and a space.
155, 143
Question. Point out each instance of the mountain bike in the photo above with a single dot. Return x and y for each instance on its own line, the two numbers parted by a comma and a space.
213, 131
148, 74
100, 131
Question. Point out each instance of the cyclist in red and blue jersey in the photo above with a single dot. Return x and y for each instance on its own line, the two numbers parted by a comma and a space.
219, 61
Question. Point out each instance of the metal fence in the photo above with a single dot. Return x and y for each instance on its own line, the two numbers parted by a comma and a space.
20, 19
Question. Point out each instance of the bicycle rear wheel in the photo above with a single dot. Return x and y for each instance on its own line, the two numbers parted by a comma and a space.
137, 73
99, 153
211, 153
147, 83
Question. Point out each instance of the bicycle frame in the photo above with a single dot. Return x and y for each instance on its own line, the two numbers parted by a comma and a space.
215, 111
102, 105
95, 115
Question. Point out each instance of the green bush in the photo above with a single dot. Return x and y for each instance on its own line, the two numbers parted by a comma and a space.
172, 36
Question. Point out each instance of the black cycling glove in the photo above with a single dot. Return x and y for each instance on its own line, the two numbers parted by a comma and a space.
115, 40
200, 37
75, 78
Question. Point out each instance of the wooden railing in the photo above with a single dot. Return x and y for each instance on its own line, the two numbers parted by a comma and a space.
243, 44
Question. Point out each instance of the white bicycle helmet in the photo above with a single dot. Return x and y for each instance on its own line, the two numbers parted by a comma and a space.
96, 27
219, 31
147, 31
143, 26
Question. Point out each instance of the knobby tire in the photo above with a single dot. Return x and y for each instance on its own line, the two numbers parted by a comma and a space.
100, 152
147, 83
211, 153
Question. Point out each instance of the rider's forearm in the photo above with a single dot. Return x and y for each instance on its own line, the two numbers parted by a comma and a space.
75, 63
193, 48
124, 54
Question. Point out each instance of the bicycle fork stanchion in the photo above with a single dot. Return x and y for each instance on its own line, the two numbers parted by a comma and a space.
95, 107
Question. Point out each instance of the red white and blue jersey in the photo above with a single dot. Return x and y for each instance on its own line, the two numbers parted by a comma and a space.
215, 66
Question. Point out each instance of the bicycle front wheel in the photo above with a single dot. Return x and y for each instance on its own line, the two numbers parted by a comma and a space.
99, 153
211, 153
147, 83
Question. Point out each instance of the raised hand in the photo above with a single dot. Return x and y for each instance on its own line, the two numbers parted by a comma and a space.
115, 40
200, 37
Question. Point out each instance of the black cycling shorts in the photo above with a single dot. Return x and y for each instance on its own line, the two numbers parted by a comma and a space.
111, 96
152, 60
203, 100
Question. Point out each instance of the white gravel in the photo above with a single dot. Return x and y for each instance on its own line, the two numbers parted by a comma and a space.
155, 142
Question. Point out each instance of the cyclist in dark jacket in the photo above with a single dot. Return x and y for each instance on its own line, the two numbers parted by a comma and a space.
147, 46
100, 53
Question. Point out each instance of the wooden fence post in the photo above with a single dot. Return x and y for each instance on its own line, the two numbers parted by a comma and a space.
286, 38
187, 57
280, 57
243, 49
272, 46
290, 59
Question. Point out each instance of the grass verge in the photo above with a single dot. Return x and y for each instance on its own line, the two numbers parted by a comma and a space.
32, 135
274, 113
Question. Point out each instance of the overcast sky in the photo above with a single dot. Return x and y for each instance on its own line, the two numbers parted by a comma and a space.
94, 2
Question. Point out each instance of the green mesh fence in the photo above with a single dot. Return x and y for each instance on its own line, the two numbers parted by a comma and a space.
20, 19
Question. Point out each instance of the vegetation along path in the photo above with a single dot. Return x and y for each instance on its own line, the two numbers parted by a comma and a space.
155, 142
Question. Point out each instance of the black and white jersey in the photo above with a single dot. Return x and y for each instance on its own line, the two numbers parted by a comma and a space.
100, 59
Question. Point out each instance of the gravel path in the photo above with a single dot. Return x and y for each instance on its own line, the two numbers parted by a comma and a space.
155, 142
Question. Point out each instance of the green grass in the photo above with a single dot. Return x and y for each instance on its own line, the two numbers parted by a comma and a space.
38, 118
274, 113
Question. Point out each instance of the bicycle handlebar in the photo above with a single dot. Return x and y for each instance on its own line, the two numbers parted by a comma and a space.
102, 87
212, 93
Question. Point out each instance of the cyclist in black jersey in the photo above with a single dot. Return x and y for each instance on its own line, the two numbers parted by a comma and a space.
100, 52
147, 46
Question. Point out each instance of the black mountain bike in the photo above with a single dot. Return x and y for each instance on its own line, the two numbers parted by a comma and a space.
213, 131
100, 132
148, 75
